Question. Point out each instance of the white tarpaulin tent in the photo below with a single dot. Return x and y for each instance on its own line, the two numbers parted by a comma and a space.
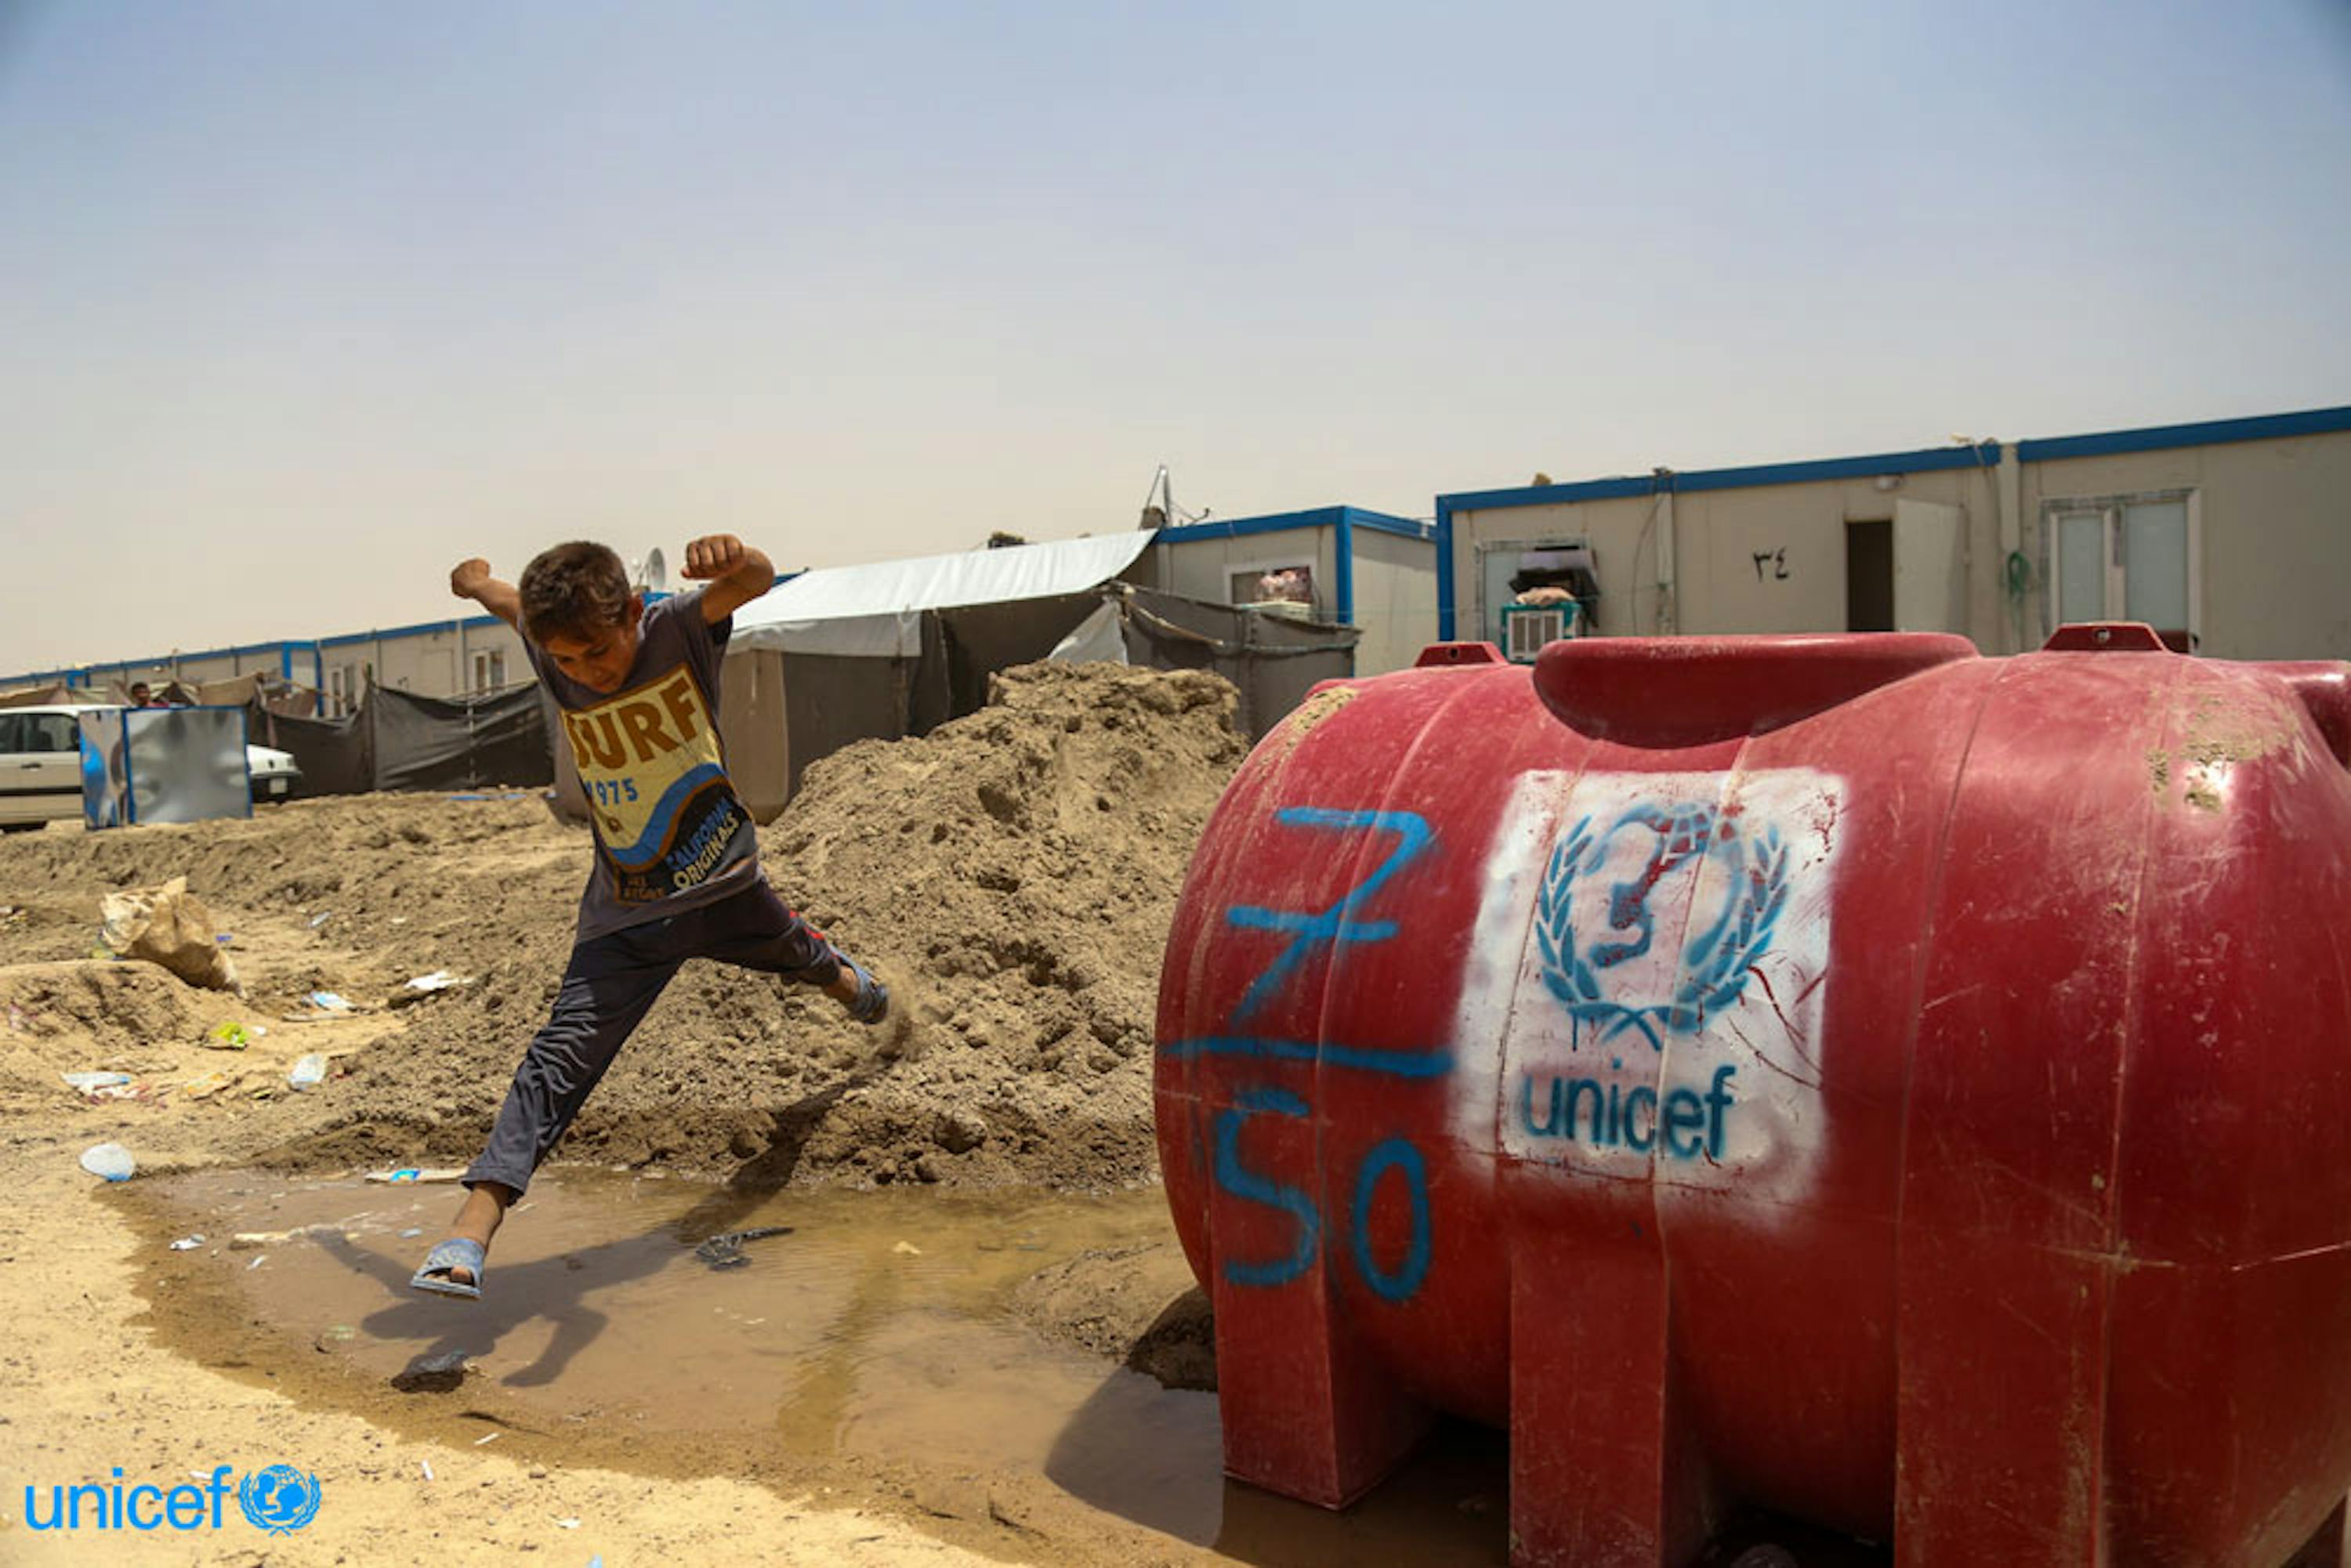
877, 611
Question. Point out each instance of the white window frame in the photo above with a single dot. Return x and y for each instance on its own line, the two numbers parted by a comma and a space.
1234, 569
1490, 615
2109, 508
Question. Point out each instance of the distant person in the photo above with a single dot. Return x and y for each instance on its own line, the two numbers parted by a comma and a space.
677, 873
142, 697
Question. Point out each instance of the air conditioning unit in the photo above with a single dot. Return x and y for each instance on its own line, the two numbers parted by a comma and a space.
1527, 627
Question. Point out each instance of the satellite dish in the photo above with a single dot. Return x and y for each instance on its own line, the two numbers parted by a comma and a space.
652, 574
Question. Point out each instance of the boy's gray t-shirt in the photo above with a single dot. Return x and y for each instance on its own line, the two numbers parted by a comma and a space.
671, 833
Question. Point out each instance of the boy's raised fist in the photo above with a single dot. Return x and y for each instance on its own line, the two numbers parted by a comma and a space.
714, 555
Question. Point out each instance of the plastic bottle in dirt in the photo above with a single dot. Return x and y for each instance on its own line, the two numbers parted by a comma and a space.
112, 1161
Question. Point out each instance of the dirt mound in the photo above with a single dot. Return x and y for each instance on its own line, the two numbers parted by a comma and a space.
93, 1015
1012, 874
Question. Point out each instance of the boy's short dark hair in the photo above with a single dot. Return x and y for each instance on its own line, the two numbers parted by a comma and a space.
573, 589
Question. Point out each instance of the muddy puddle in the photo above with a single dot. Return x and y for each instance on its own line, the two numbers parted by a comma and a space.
867, 1328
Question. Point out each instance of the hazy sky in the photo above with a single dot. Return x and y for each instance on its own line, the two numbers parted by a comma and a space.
300, 302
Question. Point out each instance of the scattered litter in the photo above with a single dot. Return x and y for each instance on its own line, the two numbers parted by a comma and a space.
568, 1525
91, 1082
320, 918
413, 1231
907, 1249
447, 1361
426, 1465
224, 938
211, 1084
338, 1331
328, 1001
491, 1438
189, 1243
309, 1072
726, 1251
423, 985
247, 1240
17, 1019
256, 1263
112, 1161
228, 1036
416, 1173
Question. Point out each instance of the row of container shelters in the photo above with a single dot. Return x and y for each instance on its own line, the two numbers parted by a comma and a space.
2231, 537
1341, 565
434, 658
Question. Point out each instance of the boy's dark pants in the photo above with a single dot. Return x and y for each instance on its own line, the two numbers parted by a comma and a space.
610, 984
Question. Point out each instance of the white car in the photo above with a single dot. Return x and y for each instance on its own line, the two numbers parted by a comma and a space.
40, 764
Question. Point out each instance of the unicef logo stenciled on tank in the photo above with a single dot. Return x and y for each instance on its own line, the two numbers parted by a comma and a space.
1654, 850
279, 1500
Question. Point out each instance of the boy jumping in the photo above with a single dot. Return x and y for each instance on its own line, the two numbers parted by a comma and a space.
677, 873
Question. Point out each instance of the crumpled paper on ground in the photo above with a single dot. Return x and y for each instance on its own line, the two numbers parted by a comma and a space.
171, 927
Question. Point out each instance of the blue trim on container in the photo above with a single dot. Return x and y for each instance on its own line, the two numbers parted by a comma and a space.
1285, 522
1926, 460
1444, 568
1245, 527
1548, 495
419, 629
1344, 590
1383, 523
2210, 433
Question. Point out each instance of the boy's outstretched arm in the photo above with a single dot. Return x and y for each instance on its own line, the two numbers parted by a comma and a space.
736, 574
471, 579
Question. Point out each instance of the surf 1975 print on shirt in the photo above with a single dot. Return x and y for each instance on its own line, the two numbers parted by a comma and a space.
650, 762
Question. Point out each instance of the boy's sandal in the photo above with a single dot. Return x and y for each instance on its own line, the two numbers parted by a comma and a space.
873, 1003
457, 1252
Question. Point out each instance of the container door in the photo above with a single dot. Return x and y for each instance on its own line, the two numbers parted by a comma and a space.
1931, 586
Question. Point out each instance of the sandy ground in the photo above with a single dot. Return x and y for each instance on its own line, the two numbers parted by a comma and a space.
85, 1389
1012, 874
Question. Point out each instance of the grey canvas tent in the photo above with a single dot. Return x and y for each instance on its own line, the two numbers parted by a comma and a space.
896, 648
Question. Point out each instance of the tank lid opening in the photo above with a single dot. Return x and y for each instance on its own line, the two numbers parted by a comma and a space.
2105, 637
1665, 692
1440, 654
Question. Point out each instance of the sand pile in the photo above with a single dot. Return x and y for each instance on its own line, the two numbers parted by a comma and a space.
1012, 873
1016, 869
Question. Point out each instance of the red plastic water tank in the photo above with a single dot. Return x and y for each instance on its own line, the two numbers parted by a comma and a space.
1905, 1090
